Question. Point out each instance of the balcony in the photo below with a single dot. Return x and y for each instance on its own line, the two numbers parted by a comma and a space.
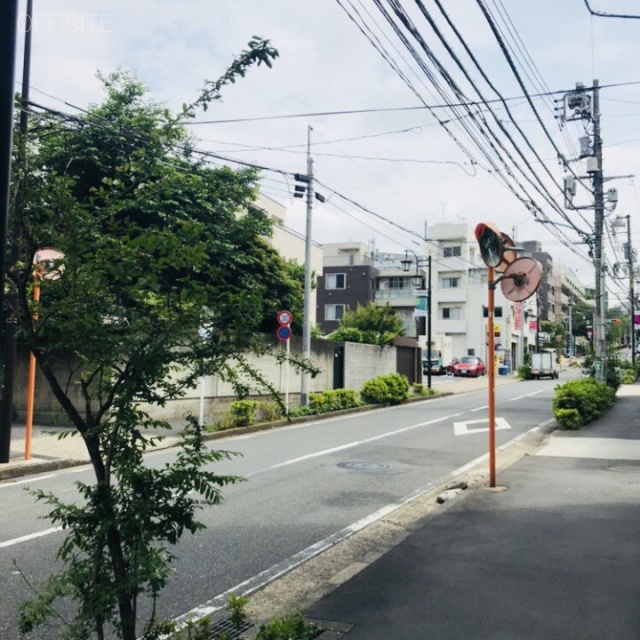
450, 326
452, 294
397, 297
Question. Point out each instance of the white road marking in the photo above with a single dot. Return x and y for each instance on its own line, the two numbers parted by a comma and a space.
30, 480
354, 443
30, 536
526, 395
462, 428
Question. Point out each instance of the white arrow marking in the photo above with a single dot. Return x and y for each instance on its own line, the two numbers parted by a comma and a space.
462, 428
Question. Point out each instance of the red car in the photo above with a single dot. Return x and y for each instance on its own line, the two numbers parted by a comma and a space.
469, 366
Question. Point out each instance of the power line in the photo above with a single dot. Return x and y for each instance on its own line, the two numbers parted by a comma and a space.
424, 107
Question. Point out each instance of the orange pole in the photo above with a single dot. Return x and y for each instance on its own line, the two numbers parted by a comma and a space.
31, 384
492, 380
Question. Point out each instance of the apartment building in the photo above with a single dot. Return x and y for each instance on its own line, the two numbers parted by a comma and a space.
347, 279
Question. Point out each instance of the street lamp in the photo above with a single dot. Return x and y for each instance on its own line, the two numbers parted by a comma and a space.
418, 282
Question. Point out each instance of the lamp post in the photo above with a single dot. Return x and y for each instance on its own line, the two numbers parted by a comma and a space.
418, 281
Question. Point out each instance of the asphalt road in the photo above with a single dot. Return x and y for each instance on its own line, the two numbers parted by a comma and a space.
306, 486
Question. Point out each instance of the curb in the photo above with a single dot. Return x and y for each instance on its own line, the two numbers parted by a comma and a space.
33, 468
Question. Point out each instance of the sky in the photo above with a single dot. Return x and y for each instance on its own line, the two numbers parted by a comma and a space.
371, 94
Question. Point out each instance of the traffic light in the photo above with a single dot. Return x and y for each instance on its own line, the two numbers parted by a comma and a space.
491, 244
300, 189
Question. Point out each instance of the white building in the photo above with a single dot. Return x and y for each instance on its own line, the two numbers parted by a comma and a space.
289, 244
460, 299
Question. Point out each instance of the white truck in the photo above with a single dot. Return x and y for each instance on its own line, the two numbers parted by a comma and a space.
438, 357
544, 365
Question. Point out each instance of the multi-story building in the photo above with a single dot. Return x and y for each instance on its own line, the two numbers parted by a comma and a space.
548, 302
290, 244
354, 274
460, 296
347, 279
396, 287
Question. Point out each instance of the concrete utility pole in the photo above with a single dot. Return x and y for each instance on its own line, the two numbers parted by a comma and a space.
8, 34
11, 323
600, 314
571, 343
632, 297
580, 105
306, 327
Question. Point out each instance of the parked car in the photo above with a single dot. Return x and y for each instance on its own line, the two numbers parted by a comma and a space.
452, 365
469, 366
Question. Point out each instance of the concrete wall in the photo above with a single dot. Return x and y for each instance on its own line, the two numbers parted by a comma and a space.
366, 361
362, 362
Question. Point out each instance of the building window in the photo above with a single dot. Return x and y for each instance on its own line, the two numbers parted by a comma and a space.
333, 311
451, 313
397, 283
335, 281
452, 252
450, 283
497, 312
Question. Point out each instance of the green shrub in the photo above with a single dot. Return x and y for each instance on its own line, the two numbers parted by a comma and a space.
288, 627
524, 372
269, 412
391, 388
420, 390
628, 376
243, 412
299, 411
346, 334
587, 398
334, 400
374, 391
568, 418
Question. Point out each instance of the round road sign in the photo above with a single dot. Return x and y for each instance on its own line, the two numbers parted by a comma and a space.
284, 332
284, 317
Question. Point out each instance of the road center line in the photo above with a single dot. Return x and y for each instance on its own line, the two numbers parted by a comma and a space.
350, 445
30, 480
30, 536
526, 395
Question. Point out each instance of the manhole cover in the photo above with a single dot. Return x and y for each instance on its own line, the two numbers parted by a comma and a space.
365, 466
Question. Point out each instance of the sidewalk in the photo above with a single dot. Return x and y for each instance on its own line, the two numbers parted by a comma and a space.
551, 553
49, 452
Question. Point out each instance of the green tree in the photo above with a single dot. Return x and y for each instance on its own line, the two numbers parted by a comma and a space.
556, 331
376, 325
288, 294
166, 276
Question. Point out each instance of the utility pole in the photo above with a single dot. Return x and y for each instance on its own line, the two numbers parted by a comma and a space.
11, 322
8, 34
579, 105
430, 302
571, 342
632, 297
600, 284
306, 327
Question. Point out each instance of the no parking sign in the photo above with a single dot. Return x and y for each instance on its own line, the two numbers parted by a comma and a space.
284, 318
